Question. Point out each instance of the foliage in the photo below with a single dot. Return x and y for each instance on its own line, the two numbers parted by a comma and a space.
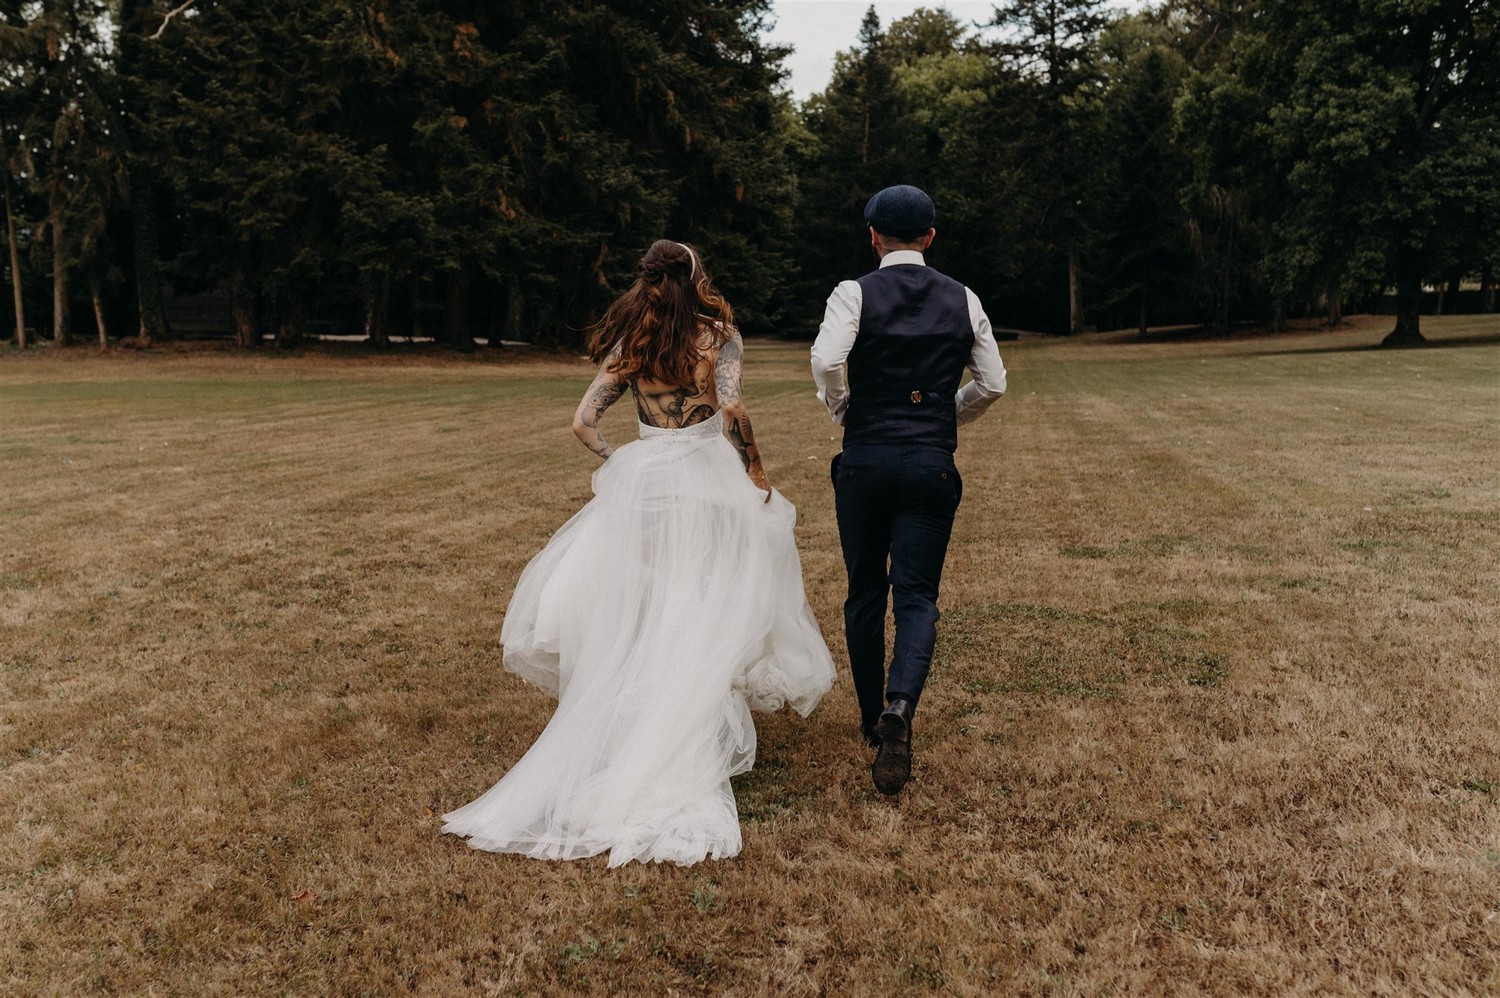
1141, 253
1382, 117
463, 170
58, 145
415, 163
861, 140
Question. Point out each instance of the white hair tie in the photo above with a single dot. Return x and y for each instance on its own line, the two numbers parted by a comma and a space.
693, 257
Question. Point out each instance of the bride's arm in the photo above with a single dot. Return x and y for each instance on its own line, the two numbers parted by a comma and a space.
603, 393
727, 368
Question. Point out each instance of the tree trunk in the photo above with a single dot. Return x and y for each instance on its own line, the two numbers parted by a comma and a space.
1335, 308
137, 21
98, 300
457, 335
60, 316
289, 323
1278, 314
511, 328
1076, 318
1221, 304
496, 318
1143, 330
418, 317
246, 327
15, 268
378, 312
1486, 289
148, 296
1408, 331
1448, 299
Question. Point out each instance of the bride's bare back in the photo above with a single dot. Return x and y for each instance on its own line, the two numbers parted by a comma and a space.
715, 387
671, 407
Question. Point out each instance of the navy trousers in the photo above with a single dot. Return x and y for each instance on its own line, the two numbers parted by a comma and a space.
895, 507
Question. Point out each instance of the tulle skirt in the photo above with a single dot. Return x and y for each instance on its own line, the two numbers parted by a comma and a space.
659, 615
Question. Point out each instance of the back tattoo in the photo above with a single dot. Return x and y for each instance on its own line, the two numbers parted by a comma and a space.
672, 407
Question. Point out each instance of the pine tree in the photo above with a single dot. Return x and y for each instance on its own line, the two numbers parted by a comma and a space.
18, 61
1231, 184
139, 31
1142, 230
860, 139
1052, 44
629, 121
251, 99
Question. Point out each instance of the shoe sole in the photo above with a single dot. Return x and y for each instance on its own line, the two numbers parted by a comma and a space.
892, 766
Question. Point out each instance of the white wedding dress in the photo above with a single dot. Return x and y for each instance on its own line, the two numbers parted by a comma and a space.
659, 615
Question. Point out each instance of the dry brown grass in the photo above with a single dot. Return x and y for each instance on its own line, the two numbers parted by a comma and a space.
1214, 711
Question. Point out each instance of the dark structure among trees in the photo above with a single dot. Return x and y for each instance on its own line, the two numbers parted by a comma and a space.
468, 170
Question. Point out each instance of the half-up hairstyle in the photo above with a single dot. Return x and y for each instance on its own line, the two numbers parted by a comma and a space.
659, 320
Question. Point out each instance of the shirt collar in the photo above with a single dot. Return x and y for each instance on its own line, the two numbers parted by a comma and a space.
897, 257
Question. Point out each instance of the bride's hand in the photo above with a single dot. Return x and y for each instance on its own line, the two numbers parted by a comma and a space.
763, 483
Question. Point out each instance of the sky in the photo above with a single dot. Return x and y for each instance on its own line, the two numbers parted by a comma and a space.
818, 29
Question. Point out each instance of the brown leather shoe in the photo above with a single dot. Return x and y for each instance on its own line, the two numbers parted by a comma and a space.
892, 766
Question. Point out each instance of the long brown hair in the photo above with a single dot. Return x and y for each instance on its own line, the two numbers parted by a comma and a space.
658, 322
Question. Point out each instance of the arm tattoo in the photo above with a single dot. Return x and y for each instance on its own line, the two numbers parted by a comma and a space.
727, 367
743, 439
603, 393
727, 371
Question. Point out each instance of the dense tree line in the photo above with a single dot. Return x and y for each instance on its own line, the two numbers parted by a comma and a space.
438, 167
466, 169
1206, 161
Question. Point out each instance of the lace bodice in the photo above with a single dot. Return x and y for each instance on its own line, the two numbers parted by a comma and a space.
710, 426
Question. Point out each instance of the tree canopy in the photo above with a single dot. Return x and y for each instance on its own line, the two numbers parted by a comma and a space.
470, 171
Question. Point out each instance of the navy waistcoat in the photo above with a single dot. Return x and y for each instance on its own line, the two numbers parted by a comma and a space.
915, 340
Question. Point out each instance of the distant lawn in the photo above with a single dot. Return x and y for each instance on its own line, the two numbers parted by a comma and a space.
1214, 708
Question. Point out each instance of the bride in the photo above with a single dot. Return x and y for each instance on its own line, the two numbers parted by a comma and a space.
664, 610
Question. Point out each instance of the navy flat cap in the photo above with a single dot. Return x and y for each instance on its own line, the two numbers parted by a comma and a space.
903, 211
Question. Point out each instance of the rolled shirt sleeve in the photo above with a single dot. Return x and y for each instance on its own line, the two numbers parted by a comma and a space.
830, 351
984, 364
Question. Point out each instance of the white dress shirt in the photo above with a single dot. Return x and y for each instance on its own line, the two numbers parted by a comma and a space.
830, 351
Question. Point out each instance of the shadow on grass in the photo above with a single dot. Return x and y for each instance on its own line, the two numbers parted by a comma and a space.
1198, 333
1308, 331
1473, 340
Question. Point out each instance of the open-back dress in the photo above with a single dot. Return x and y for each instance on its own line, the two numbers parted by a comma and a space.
659, 615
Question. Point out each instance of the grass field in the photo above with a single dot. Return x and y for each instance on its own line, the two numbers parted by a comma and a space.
1214, 710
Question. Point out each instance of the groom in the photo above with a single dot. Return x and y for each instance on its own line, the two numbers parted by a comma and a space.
887, 361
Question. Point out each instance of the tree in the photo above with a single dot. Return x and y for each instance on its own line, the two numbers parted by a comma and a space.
434, 161
1385, 113
138, 44
60, 136
1052, 45
17, 65
859, 139
18, 293
252, 101
1232, 186
670, 125
1142, 229
951, 87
